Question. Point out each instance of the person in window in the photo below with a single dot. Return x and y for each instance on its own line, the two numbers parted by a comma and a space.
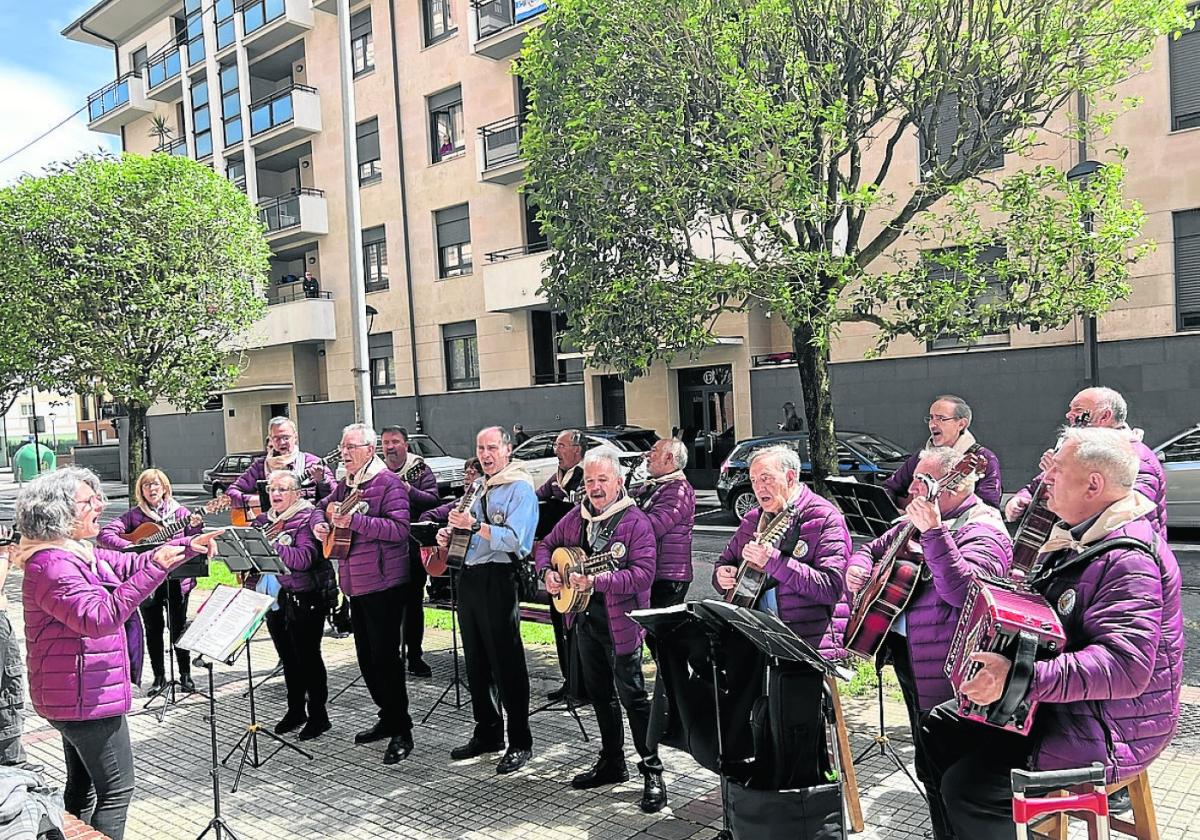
791, 420
312, 286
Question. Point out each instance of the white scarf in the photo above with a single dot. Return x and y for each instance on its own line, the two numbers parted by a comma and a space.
593, 520
293, 462
677, 475
164, 512
514, 472
965, 441
561, 478
300, 504
369, 470
1121, 512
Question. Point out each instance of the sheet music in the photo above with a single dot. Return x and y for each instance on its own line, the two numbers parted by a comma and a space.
226, 621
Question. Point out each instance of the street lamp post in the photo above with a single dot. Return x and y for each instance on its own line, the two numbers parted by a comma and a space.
371, 312
1082, 173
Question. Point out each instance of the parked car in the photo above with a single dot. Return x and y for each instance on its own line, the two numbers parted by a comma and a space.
1180, 457
446, 468
632, 442
865, 456
227, 470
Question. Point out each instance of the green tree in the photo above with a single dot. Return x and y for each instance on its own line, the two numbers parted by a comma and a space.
702, 156
154, 266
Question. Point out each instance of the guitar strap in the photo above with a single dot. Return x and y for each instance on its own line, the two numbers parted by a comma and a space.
603, 533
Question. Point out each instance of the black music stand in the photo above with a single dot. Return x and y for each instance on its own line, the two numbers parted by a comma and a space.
217, 824
868, 508
884, 742
425, 534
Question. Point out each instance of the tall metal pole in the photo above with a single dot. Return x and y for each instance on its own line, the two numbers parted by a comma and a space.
37, 444
358, 290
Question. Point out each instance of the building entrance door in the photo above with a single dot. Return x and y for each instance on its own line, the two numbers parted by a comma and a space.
706, 421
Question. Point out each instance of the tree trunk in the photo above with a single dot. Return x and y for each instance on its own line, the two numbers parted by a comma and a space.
813, 363
136, 460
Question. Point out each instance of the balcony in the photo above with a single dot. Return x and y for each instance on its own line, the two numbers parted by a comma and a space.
500, 160
294, 319
500, 25
325, 6
164, 79
294, 218
118, 104
175, 147
268, 24
285, 117
512, 277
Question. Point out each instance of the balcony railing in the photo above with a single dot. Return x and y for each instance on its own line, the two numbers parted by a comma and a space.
163, 67
518, 251
494, 16
284, 212
112, 96
274, 110
258, 13
312, 398
175, 147
502, 141
294, 291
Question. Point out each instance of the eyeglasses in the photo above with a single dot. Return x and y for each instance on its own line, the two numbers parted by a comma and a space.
352, 445
938, 418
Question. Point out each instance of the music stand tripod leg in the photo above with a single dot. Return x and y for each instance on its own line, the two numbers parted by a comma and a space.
457, 682
881, 740
568, 703
217, 824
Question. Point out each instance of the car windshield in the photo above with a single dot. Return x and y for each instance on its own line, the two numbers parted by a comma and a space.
876, 448
642, 442
426, 447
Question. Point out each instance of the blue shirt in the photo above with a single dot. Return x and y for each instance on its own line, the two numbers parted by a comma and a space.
512, 513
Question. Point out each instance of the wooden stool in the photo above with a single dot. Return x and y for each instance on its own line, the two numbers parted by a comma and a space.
1143, 827
846, 760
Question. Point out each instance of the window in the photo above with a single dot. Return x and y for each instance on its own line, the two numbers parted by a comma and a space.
231, 104
194, 30
1185, 450
462, 356
375, 268
446, 124
453, 241
439, 21
139, 59
367, 135
235, 171
1187, 269
26, 410
223, 14
535, 237
942, 123
1184, 59
362, 42
383, 365
201, 121
547, 329
951, 342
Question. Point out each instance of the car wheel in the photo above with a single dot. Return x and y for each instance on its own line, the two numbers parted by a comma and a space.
743, 503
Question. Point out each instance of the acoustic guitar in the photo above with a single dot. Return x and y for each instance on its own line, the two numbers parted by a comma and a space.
240, 515
894, 579
571, 559
156, 533
751, 581
336, 545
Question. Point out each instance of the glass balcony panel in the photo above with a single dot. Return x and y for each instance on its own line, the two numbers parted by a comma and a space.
260, 118
253, 17
281, 110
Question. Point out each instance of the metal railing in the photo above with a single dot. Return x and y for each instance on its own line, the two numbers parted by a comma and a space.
312, 398
492, 16
502, 141
294, 291
166, 65
258, 13
518, 251
174, 147
111, 96
283, 212
274, 110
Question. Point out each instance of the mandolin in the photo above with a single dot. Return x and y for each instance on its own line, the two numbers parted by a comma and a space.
568, 560
156, 533
460, 538
750, 581
894, 578
241, 515
336, 545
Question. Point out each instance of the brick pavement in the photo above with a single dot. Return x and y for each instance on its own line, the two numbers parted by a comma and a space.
346, 792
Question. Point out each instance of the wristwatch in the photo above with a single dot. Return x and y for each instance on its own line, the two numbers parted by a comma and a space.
475, 528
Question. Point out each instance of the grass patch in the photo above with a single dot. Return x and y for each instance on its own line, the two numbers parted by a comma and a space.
531, 633
218, 573
865, 684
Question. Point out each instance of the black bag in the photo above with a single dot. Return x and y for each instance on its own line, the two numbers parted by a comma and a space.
813, 813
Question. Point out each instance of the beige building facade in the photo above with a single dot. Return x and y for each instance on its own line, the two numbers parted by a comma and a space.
452, 258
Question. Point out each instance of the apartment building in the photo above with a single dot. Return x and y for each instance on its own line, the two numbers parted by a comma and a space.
452, 255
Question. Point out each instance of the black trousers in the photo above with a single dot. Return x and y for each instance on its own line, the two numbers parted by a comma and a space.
99, 759
414, 614
494, 654
561, 645
154, 611
611, 679
663, 719
896, 648
296, 629
378, 619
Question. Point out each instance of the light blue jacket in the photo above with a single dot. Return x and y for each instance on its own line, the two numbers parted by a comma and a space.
512, 513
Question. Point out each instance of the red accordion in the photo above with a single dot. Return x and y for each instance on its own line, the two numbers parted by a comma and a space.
1000, 617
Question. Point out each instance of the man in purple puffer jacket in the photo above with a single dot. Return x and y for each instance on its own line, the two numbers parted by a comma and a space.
608, 641
374, 577
1112, 695
1105, 408
960, 538
807, 564
316, 481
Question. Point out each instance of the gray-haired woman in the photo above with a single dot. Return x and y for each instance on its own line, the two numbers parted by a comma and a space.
81, 657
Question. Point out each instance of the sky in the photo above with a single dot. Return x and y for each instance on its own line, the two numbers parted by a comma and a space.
45, 77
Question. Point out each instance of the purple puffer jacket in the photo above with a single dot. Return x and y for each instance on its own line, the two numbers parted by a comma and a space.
1113, 694
78, 654
552, 491
314, 491
378, 556
810, 585
987, 488
624, 590
953, 560
110, 534
671, 508
422, 491
300, 552
1151, 482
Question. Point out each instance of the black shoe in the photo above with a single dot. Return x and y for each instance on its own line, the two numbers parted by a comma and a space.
1120, 802
473, 748
292, 720
398, 749
186, 684
557, 694
160, 682
376, 733
513, 760
315, 728
654, 795
419, 668
605, 772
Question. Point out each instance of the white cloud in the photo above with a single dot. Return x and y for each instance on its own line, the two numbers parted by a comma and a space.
31, 104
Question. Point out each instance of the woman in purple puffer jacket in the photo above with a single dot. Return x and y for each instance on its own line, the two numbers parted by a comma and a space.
78, 600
